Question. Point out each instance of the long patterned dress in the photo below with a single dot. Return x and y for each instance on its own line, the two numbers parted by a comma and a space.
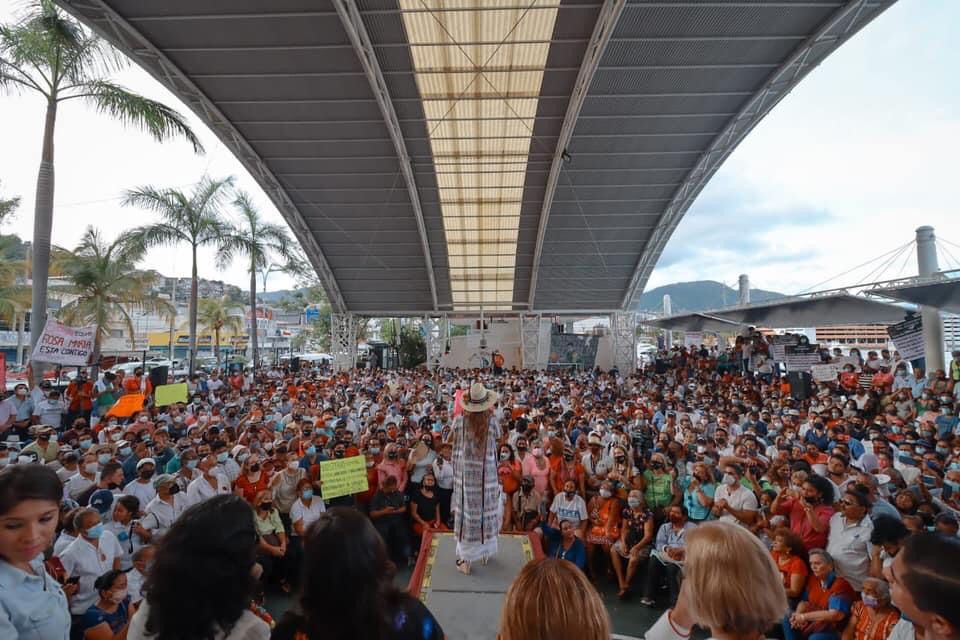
477, 501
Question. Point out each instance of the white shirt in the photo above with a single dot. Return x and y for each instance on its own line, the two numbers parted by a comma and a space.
574, 509
200, 490
160, 515
77, 484
849, 544
230, 469
50, 411
135, 581
143, 492
443, 473
308, 515
738, 498
247, 627
83, 559
63, 541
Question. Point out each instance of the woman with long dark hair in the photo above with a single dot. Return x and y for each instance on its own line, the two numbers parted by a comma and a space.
348, 591
204, 577
477, 499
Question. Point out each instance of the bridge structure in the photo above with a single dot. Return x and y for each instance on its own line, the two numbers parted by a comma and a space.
446, 157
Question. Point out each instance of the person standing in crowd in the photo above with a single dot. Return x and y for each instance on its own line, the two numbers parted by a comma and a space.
33, 605
477, 502
731, 586
204, 577
79, 397
362, 603
550, 600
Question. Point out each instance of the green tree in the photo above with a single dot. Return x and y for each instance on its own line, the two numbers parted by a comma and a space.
193, 219
107, 285
49, 53
7, 207
217, 314
407, 338
260, 242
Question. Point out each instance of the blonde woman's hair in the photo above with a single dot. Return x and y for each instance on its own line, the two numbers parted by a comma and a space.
731, 581
553, 600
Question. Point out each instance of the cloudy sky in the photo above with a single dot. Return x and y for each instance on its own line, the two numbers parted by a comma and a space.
843, 170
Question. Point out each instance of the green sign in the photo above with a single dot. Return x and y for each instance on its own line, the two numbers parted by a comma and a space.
343, 477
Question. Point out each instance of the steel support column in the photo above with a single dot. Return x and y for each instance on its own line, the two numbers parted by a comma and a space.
343, 340
435, 335
624, 333
530, 341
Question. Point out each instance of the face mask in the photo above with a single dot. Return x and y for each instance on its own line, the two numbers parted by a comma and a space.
94, 532
633, 502
370, 464
620, 459
146, 474
392, 455
125, 451
144, 418
222, 457
174, 489
103, 458
569, 494
307, 494
605, 493
242, 457
338, 454
86, 444
729, 479
311, 450
504, 456
266, 506
870, 601
375, 450
115, 437
91, 468
118, 596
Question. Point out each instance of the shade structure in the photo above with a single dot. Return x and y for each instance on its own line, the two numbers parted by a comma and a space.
815, 311
695, 322
942, 294
445, 155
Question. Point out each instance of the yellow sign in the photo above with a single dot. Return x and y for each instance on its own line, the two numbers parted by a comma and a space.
169, 393
343, 477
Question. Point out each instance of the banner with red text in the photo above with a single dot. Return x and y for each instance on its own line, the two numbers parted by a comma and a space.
68, 346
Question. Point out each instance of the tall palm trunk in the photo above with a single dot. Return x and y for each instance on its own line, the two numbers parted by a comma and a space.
254, 342
21, 320
194, 285
96, 354
42, 228
216, 344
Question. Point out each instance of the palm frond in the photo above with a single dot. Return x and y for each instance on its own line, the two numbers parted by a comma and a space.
156, 118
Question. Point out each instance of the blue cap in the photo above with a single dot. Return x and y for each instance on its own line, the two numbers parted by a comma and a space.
101, 500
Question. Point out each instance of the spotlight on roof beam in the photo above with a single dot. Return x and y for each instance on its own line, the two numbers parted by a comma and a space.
566, 157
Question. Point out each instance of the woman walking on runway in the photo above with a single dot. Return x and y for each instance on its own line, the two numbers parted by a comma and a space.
477, 501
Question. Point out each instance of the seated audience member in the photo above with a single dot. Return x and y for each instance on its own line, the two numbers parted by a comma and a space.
564, 544
790, 556
362, 603
809, 510
603, 511
425, 506
93, 553
636, 537
825, 605
550, 600
568, 505
108, 617
925, 585
733, 502
204, 577
731, 586
388, 510
872, 617
527, 506
272, 545
668, 556
142, 560
849, 539
887, 539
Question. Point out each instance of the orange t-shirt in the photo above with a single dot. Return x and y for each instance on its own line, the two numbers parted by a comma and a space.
507, 480
251, 489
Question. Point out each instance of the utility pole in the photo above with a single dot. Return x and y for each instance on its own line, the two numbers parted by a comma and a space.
927, 266
173, 319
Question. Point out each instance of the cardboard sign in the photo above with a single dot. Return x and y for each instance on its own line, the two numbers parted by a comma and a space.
68, 346
907, 337
343, 477
801, 357
825, 372
167, 394
778, 346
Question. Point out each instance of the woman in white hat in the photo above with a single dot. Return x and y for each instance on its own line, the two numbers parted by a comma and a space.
477, 503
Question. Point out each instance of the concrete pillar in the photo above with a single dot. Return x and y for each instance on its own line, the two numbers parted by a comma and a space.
668, 336
744, 289
932, 322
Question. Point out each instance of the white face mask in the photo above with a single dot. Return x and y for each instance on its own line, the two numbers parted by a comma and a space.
118, 595
605, 493
729, 479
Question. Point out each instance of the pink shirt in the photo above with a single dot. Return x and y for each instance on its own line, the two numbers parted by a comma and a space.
541, 477
396, 469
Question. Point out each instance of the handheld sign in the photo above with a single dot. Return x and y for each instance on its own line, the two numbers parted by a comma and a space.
343, 477
167, 394
63, 345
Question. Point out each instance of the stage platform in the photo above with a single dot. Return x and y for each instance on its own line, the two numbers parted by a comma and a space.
468, 607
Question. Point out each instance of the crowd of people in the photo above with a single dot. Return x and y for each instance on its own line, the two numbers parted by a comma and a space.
116, 519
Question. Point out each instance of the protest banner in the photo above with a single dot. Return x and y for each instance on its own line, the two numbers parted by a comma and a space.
167, 394
825, 372
800, 357
63, 345
907, 337
692, 339
126, 406
343, 477
778, 346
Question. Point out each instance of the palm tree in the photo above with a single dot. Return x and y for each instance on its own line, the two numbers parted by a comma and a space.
107, 285
50, 53
217, 314
193, 219
7, 205
260, 242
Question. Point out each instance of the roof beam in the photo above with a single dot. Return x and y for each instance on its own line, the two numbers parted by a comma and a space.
826, 39
112, 27
602, 31
357, 32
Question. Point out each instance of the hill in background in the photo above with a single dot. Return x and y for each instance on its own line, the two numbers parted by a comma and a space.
699, 296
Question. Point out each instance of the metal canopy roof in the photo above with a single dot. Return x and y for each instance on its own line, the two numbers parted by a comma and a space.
814, 311
437, 155
943, 294
694, 322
